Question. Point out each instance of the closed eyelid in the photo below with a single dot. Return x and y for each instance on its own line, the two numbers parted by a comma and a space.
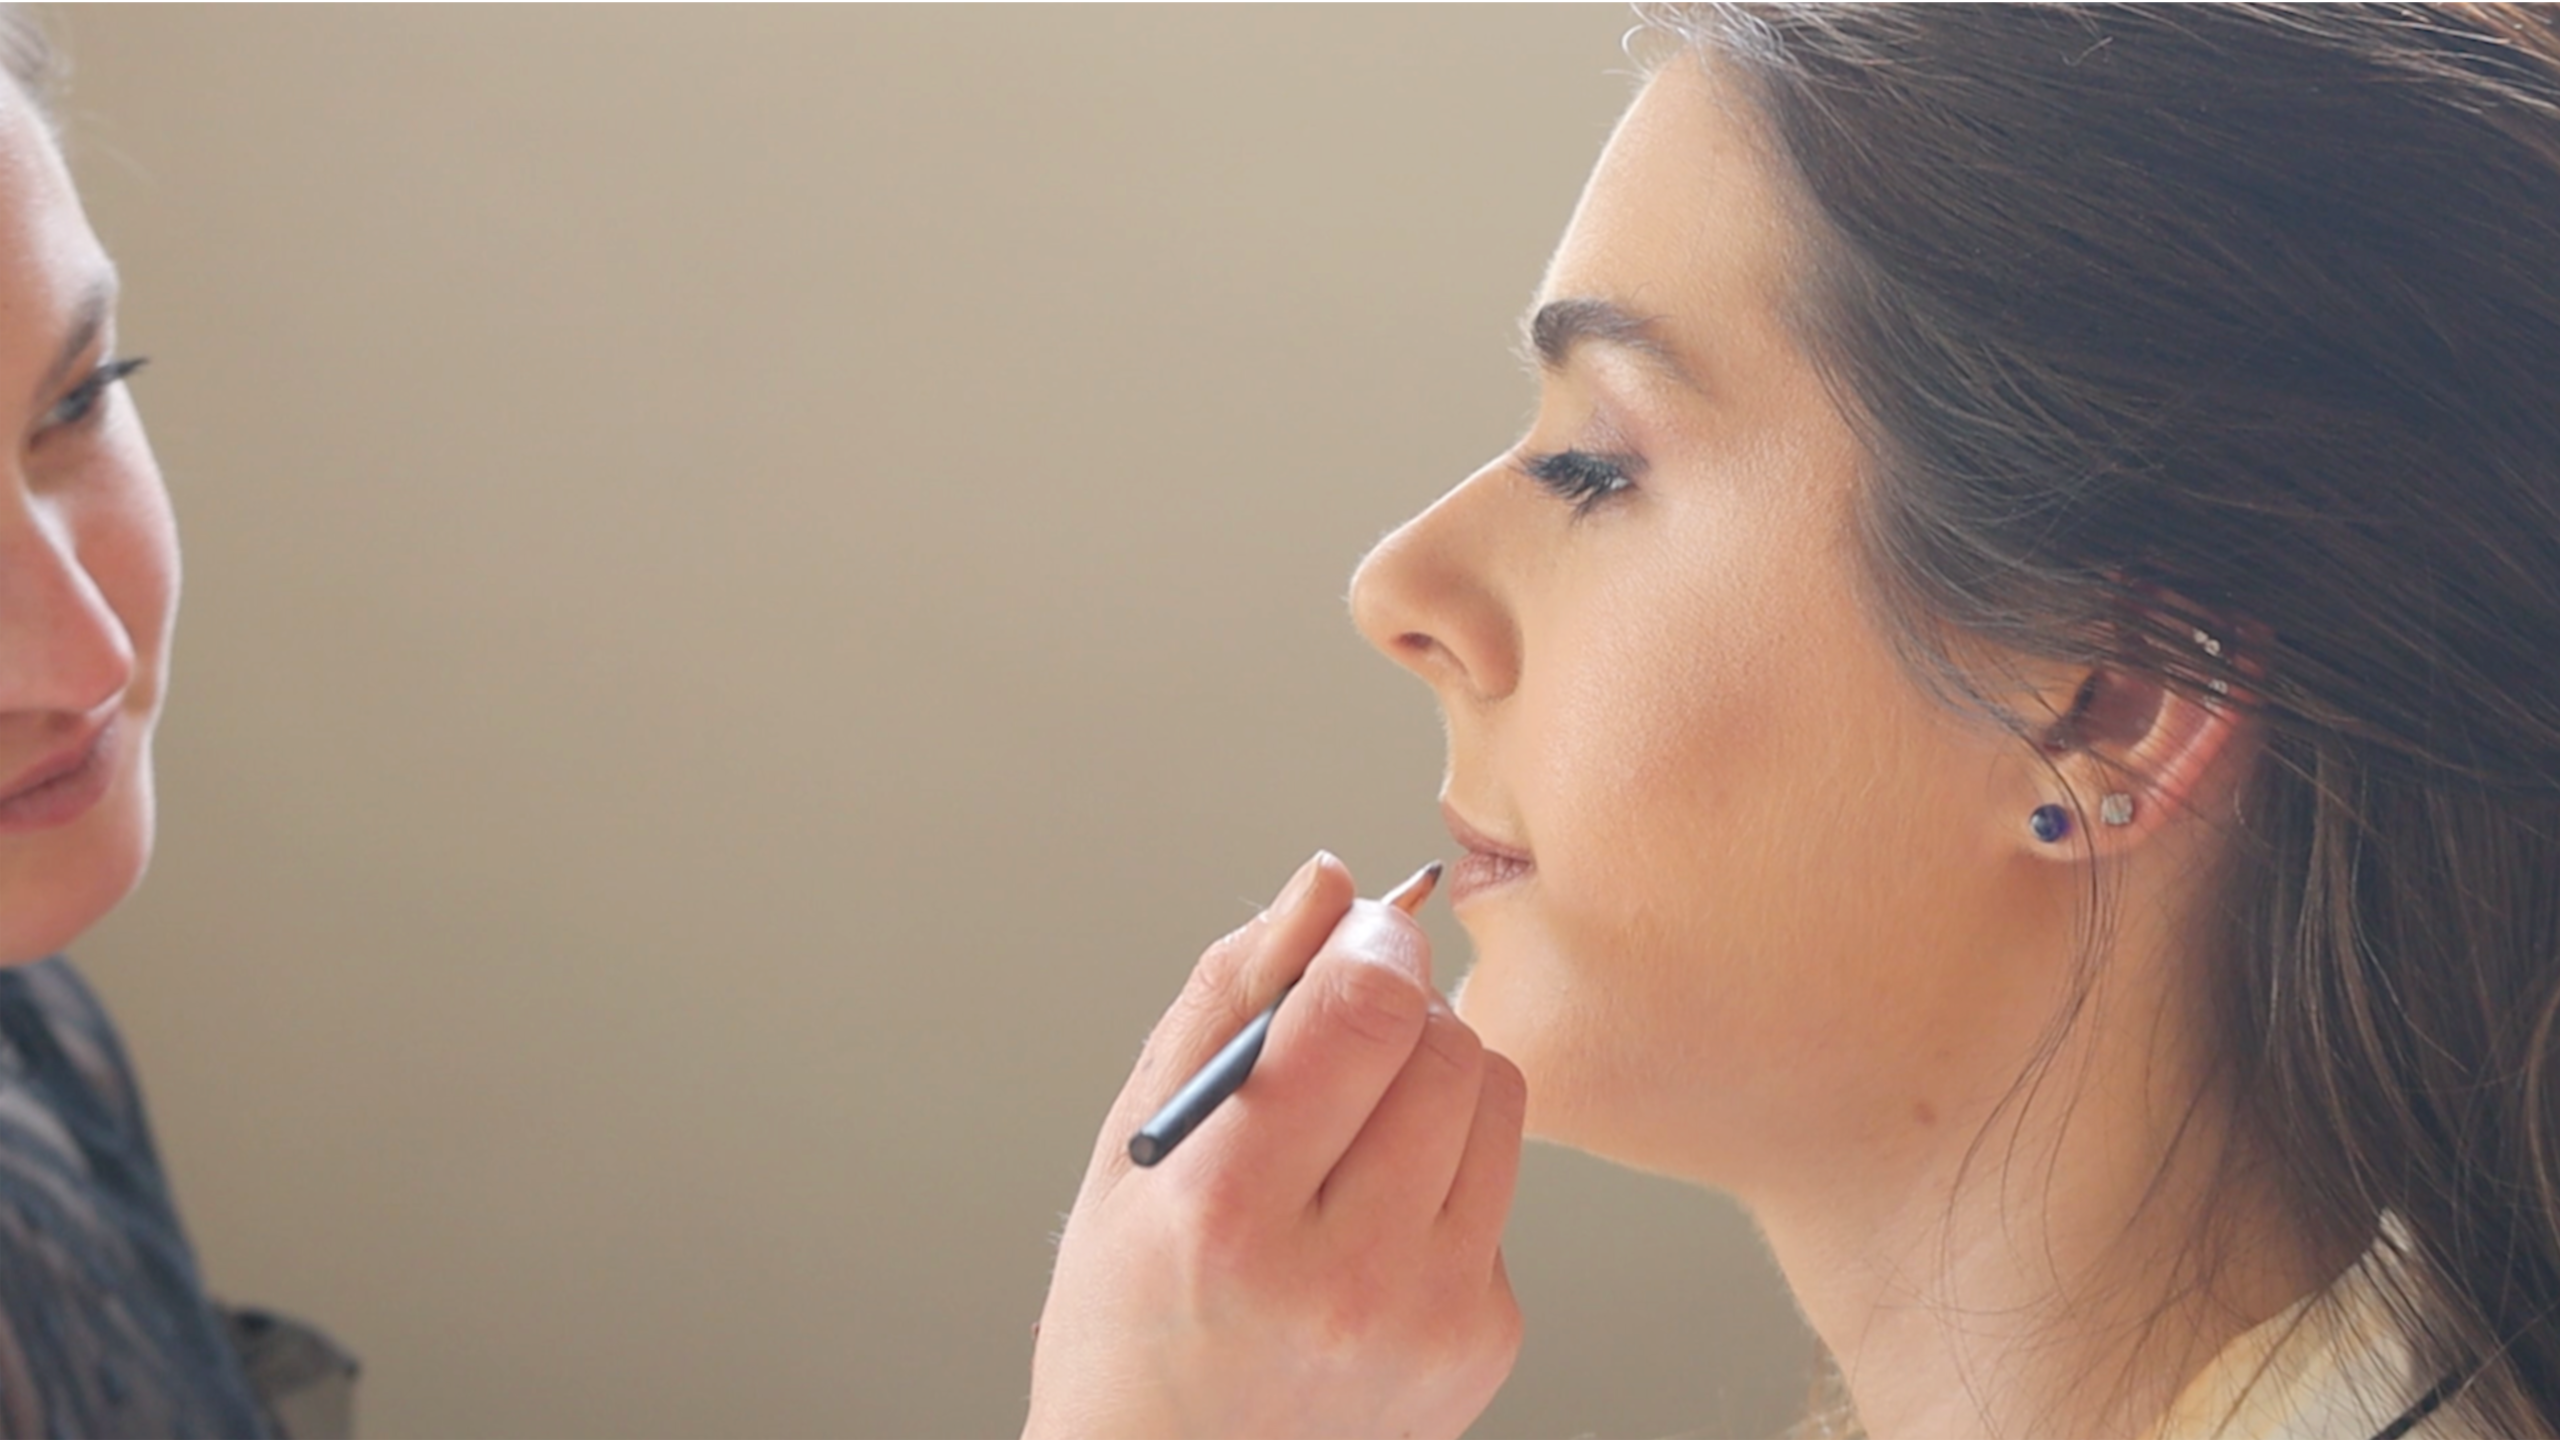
92, 325
1581, 478
1549, 462
80, 402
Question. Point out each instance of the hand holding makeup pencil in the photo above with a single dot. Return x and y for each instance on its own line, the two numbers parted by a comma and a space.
1322, 1257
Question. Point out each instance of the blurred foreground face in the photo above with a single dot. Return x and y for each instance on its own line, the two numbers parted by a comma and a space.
1753, 906
88, 566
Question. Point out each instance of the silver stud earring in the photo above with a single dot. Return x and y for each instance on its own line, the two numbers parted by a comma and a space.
2116, 808
2212, 647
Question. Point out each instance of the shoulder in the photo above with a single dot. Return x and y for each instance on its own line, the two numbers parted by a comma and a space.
2334, 1366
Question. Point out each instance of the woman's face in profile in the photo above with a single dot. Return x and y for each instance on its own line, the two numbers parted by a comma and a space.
88, 566
1767, 875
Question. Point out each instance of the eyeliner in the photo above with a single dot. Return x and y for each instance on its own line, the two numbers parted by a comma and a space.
1226, 1070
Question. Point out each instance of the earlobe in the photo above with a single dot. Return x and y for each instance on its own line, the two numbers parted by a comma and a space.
2050, 823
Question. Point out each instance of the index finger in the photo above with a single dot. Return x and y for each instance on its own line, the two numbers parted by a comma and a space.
1335, 1048
1216, 1081
1237, 977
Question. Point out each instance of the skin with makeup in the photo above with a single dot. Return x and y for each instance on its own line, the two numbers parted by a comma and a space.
1733, 881
105, 1326
1751, 904
88, 566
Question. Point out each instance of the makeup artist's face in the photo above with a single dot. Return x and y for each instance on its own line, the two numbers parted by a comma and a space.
1767, 877
88, 566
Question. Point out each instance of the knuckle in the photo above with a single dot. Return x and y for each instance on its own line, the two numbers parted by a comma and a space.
1224, 964
1504, 1090
1458, 1323
1200, 1005
1176, 1033
1364, 1309
1217, 1218
1224, 949
1218, 996
1375, 1003
1508, 1329
1450, 1041
1346, 1325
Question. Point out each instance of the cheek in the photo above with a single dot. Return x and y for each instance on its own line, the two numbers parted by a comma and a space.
1674, 666
56, 883
1696, 722
1738, 805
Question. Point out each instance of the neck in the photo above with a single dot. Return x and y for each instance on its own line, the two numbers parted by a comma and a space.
2041, 1263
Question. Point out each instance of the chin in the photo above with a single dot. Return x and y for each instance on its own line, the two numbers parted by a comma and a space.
55, 884
1527, 1033
1588, 1089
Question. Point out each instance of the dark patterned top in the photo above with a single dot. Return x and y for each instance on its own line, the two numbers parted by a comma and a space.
105, 1327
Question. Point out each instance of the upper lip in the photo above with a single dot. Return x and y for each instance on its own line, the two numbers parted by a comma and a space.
58, 764
1471, 838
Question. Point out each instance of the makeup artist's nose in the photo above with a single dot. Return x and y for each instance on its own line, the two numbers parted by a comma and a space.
62, 649
1424, 596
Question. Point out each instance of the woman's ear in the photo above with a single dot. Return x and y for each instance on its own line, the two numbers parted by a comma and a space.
2128, 756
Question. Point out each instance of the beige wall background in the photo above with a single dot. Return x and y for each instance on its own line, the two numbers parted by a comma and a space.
759, 583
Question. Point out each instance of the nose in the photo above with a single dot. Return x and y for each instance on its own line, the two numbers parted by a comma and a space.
62, 648
1430, 596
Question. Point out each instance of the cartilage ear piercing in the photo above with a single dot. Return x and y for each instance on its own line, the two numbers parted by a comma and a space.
2212, 647
2050, 822
2116, 808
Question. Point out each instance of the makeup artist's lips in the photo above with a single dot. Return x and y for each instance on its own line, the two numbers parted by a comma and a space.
63, 786
1488, 864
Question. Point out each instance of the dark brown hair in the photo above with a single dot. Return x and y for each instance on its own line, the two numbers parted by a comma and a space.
2257, 308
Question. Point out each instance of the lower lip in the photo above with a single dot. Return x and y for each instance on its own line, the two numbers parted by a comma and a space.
67, 796
1478, 873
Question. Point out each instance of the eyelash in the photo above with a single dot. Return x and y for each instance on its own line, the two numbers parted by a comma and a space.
79, 404
1580, 477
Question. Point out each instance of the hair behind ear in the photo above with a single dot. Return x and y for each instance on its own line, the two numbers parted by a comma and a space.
2254, 305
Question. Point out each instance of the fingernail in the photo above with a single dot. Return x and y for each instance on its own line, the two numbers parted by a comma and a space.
1294, 893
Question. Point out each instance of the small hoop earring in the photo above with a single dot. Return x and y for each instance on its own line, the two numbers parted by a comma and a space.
2050, 822
2116, 809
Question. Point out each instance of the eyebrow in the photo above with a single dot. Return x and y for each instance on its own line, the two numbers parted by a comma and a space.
88, 316
1559, 326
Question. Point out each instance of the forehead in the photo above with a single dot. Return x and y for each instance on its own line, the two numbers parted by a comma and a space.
48, 253
1687, 220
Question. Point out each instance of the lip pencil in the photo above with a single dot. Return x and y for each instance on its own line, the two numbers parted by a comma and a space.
1226, 1070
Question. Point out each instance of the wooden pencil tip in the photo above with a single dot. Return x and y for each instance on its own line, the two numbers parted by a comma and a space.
1408, 897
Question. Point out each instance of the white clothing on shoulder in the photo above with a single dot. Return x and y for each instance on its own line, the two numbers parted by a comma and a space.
2331, 1367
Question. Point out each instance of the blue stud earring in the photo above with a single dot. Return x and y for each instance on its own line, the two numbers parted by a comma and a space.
2050, 822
